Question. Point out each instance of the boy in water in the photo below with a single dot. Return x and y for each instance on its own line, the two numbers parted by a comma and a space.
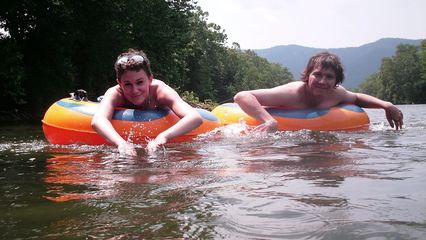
320, 88
138, 89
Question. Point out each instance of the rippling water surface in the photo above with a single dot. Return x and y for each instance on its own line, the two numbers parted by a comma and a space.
224, 185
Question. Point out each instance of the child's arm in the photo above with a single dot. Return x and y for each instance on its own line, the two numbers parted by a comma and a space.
252, 102
249, 103
393, 114
101, 122
190, 118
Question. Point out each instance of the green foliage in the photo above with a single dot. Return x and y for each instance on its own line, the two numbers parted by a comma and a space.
245, 70
421, 84
401, 78
205, 54
11, 75
255, 72
194, 101
371, 85
56, 46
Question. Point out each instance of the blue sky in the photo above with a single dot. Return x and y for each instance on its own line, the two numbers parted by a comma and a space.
257, 24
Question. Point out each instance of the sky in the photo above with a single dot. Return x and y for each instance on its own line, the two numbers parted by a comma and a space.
259, 24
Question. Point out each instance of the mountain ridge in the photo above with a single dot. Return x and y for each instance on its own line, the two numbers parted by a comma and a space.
359, 62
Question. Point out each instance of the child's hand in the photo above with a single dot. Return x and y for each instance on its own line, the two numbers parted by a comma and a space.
126, 148
151, 147
154, 144
268, 126
394, 117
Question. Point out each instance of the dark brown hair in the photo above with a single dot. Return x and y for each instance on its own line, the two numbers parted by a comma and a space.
132, 65
324, 60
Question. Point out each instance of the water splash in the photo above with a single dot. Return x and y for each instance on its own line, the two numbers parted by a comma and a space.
379, 126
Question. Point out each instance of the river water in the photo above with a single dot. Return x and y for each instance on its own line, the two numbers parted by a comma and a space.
224, 185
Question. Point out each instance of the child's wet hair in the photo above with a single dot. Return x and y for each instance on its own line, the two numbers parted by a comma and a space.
325, 60
132, 60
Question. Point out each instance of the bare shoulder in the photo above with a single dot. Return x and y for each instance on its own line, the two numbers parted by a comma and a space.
113, 90
160, 87
291, 91
157, 82
287, 94
344, 95
291, 86
114, 96
163, 93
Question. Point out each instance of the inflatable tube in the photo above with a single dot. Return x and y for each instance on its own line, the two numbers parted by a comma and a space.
69, 122
341, 117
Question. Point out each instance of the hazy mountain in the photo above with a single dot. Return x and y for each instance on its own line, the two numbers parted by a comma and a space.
359, 62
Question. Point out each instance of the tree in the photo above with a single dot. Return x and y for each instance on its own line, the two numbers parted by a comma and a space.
205, 56
406, 72
371, 86
255, 72
399, 79
421, 84
12, 75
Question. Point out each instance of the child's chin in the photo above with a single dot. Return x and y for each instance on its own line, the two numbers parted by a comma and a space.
322, 89
136, 101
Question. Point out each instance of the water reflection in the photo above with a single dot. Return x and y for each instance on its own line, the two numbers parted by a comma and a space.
95, 175
71, 177
321, 157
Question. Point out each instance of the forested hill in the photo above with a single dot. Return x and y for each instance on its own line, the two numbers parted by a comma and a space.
359, 62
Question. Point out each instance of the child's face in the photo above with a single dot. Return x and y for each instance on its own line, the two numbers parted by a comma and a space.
135, 86
321, 79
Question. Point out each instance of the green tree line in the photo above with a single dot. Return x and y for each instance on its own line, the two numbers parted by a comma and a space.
401, 78
52, 47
